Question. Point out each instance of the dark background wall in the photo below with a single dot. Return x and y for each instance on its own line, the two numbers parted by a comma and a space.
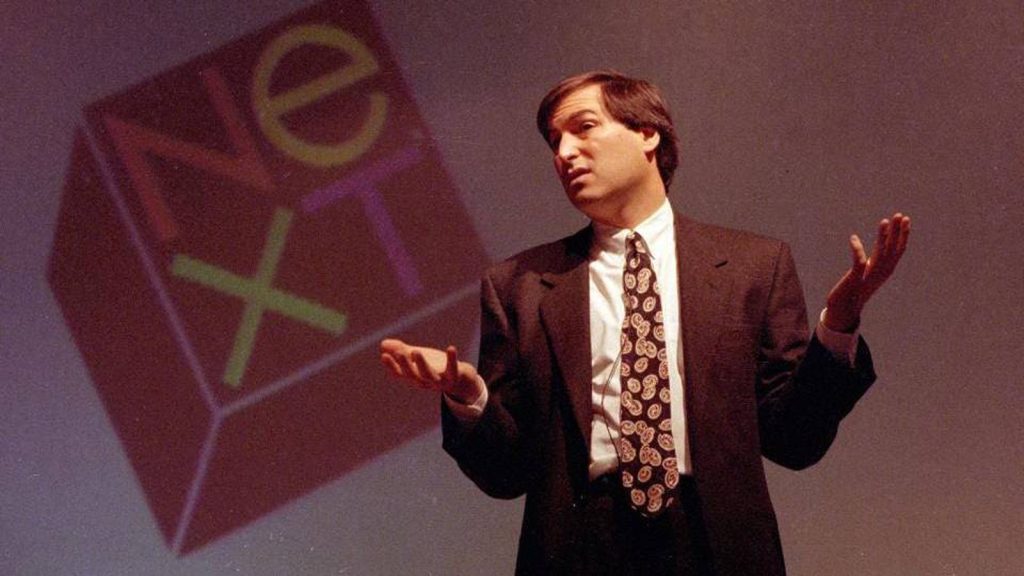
802, 120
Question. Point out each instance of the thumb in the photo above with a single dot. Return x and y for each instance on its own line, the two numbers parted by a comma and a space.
452, 368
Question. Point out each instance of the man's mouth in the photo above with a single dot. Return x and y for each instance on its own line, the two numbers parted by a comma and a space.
574, 173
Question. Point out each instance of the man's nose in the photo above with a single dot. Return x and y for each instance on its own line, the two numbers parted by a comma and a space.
568, 148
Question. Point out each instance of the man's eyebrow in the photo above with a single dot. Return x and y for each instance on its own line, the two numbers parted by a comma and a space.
575, 115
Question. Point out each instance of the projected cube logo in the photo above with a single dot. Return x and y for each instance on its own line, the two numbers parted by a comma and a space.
236, 235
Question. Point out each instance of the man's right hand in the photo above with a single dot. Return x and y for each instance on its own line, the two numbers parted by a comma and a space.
432, 369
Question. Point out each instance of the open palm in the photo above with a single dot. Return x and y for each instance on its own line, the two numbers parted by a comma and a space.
866, 275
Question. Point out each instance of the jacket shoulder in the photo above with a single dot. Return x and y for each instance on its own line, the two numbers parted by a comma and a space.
751, 253
724, 237
551, 258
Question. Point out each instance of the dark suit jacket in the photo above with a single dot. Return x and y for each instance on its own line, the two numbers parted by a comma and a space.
754, 385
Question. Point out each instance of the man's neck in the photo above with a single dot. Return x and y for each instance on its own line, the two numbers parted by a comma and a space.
636, 211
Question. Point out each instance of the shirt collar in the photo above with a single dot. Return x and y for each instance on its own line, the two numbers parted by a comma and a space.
656, 230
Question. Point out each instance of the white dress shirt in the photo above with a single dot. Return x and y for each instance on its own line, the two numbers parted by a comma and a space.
607, 312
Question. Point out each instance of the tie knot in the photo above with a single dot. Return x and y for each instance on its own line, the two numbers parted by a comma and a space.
635, 243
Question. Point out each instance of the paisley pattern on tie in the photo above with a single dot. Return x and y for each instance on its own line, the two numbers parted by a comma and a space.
650, 473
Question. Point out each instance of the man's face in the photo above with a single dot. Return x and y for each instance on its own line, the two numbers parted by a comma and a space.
603, 165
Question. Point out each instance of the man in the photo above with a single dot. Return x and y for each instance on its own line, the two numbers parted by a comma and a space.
628, 468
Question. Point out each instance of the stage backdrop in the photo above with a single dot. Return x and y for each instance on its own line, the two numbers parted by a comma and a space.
211, 215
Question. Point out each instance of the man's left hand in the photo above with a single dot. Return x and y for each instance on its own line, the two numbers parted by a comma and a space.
847, 298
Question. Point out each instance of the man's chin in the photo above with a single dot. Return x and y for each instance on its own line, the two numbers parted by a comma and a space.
589, 205
581, 195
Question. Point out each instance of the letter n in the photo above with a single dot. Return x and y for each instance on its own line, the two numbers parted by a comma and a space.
133, 142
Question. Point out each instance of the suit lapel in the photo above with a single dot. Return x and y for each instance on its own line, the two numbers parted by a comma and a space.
565, 315
701, 262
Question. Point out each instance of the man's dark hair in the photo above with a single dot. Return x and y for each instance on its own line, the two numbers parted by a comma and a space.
635, 103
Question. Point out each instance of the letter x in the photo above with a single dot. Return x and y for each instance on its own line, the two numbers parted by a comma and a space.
259, 296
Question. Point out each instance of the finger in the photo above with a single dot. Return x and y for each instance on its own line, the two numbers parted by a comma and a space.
407, 367
402, 367
884, 227
901, 245
427, 372
452, 370
858, 256
892, 250
389, 362
392, 346
894, 231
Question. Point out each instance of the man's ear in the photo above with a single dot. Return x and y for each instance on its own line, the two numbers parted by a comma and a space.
651, 139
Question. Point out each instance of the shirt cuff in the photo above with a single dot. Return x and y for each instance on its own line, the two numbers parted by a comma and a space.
468, 413
841, 345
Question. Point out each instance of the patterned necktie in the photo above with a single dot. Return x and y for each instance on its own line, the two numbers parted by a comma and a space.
647, 452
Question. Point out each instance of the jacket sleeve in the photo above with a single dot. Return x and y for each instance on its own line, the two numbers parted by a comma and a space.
493, 451
803, 391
